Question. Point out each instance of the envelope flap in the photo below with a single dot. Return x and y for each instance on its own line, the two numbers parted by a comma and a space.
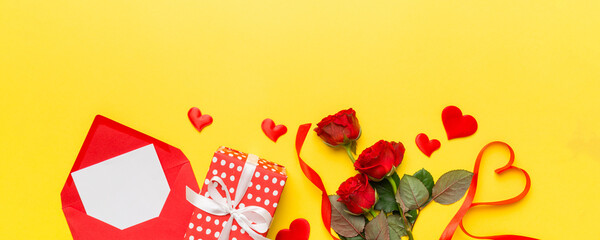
107, 139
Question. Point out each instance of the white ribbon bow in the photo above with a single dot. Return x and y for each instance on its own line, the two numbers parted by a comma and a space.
252, 219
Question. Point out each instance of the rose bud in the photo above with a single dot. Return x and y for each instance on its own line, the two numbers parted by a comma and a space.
380, 160
339, 129
357, 194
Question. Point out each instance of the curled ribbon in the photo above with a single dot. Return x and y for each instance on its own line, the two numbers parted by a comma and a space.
468, 203
314, 178
455, 222
252, 219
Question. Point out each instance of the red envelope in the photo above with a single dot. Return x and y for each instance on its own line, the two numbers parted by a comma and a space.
107, 141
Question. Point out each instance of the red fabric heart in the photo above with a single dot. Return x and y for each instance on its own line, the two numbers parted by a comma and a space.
425, 145
198, 120
272, 131
456, 124
299, 230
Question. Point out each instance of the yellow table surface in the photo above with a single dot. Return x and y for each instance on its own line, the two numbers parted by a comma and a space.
527, 70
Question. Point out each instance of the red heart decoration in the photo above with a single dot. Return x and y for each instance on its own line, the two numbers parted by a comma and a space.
456, 124
272, 131
299, 230
425, 145
198, 120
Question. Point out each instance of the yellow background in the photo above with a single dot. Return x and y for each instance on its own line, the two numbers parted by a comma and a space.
527, 70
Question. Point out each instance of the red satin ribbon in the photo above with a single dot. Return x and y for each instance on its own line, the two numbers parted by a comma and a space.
456, 220
468, 204
314, 178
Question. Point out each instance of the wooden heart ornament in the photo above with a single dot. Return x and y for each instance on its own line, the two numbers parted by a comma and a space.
425, 145
456, 124
198, 120
299, 230
273, 132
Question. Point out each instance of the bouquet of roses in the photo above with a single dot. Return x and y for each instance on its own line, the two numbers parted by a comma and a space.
376, 204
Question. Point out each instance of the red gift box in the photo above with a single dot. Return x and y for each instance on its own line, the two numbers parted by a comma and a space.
238, 198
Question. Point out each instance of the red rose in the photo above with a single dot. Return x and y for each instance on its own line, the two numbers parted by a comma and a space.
341, 128
357, 194
380, 160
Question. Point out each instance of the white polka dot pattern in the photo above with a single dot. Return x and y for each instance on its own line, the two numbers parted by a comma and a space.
264, 191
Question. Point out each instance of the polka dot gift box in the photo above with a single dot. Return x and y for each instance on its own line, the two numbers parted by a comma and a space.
238, 198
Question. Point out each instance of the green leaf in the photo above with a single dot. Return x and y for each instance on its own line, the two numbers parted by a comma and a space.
412, 216
351, 238
386, 201
342, 222
396, 226
452, 186
377, 229
401, 203
425, 177
413, 193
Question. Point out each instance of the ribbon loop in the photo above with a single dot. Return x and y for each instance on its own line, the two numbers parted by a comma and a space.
468, 203
252, 219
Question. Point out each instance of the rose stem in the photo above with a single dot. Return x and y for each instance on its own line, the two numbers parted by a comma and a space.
391, 180
349, 152
373, 213
410, 236
406, 224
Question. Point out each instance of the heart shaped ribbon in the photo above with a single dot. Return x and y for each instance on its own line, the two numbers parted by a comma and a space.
468, 203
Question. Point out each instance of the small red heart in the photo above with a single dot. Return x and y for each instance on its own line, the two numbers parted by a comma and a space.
425, 145
198, 120
456, 124
299, 230
272, 131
